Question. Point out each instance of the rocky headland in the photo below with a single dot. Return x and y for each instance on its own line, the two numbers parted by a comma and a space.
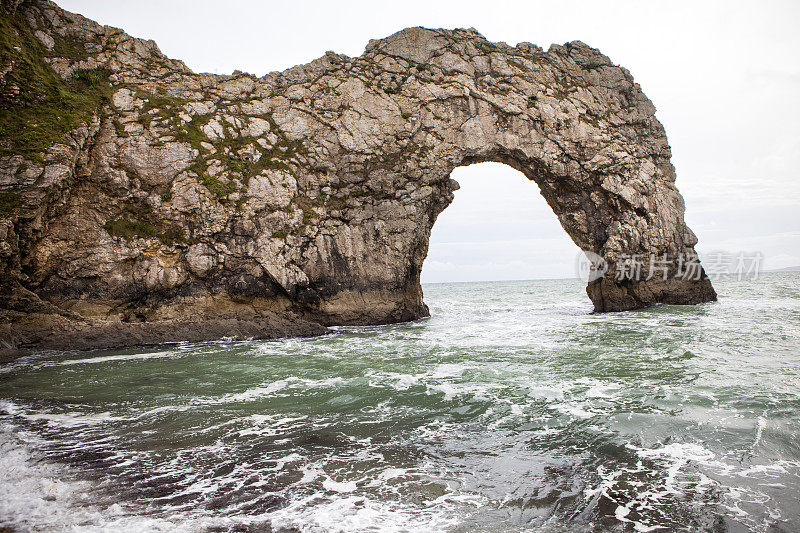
143, 203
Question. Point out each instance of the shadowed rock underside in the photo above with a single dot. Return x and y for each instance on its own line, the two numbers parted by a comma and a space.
141, 202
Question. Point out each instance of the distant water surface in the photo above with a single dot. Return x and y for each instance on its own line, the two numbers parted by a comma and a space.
512, 408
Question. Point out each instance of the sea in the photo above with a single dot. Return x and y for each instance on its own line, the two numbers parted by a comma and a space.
512, 408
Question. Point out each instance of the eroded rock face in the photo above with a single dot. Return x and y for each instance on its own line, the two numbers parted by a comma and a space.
313, 191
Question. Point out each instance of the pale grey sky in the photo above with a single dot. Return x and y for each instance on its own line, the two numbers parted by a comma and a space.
724, 76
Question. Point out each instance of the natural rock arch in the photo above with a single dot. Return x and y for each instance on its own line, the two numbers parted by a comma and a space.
313, 191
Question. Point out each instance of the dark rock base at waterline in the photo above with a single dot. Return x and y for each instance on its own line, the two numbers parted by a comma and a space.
38, 325
53, 332
608, 295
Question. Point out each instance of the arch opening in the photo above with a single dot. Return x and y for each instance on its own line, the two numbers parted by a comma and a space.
498, 228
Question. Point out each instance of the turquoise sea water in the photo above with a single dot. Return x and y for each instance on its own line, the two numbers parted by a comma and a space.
513, 408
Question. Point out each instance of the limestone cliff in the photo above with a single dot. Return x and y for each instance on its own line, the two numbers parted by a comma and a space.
142, 199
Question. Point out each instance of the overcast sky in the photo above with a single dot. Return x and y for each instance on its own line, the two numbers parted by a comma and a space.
724, 76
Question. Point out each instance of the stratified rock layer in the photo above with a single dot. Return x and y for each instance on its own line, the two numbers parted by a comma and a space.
136, 194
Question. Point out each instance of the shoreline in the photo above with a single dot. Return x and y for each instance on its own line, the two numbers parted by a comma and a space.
37, 332
23, 334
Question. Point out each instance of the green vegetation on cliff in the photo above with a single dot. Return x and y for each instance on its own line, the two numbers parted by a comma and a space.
9, 200
37, 106
130, 229
140, 221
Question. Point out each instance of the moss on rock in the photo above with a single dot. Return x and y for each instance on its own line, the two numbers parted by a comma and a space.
37, 106
9, 201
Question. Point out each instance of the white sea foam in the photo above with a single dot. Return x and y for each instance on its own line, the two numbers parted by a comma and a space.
682, 452
337, 486
574, 410
405, 381
42, 496
474, 391
603, 390
67, 419
252, 394
126, 357
271, 389
354, 513
266, 425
